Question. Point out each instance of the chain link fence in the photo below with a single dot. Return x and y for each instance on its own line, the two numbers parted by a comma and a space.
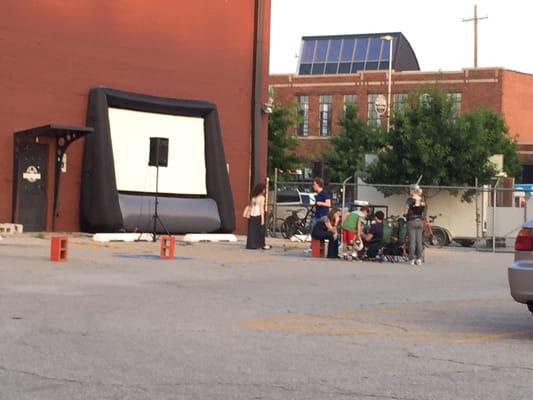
486, 218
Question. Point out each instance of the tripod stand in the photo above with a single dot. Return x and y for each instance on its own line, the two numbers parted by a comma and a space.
158, 157
155, 217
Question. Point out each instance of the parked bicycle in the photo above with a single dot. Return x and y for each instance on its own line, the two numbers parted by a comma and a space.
296, 225
271, 228
434, 236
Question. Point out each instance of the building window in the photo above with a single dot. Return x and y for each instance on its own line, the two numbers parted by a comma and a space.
374, 119
456, 104
325, 115
374, 50
303, 112
350, 99
400, 100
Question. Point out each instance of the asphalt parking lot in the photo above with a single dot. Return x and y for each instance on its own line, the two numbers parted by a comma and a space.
220, 322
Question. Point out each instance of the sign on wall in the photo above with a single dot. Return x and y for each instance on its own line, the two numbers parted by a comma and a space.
32, 174
380, 104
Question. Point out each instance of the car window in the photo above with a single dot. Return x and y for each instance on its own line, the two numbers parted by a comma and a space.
287, 196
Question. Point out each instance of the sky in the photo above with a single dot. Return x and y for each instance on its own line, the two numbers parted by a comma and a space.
434, 28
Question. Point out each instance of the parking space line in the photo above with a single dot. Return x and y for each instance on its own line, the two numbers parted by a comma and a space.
376, 321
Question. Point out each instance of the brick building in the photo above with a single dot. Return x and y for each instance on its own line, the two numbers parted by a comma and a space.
321, 96
53, 52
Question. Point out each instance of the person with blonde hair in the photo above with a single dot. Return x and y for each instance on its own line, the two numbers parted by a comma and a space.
415, 212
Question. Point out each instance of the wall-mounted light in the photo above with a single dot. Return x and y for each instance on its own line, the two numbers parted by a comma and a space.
268, 107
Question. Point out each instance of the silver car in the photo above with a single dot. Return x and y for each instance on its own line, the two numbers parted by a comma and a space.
521, 270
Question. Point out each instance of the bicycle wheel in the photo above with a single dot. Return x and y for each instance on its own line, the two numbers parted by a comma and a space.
293, 228
274, 231
289, 226
283, 229
438, 239
305, 228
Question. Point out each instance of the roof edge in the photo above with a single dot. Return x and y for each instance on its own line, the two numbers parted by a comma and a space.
402, 36
349, 35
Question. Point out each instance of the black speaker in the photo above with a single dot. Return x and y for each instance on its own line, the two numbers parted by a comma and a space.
158, 152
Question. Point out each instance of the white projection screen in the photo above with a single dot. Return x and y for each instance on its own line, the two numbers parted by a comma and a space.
130, 137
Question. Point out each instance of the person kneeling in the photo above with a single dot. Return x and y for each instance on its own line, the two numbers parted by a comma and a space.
326, 229
374, 237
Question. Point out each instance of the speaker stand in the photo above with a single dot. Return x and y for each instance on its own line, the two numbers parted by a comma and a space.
155, 218
155, 160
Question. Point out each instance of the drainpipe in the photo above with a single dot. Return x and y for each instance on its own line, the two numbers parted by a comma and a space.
259, 25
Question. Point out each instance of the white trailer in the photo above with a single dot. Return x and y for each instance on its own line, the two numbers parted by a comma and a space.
465, 221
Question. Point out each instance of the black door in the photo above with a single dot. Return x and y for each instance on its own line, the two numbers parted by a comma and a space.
31, 186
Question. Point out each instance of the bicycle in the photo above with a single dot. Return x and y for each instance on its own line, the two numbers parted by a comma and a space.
433, 236
270, 227
296, 225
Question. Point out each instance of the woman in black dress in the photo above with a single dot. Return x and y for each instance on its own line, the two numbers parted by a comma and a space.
256, 220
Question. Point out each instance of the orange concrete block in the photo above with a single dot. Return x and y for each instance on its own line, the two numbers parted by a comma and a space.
168, 247
59, 248
317, 247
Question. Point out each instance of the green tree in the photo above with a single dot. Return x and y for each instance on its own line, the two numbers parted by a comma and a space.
427, 138
348, 149
499, 140
281, 144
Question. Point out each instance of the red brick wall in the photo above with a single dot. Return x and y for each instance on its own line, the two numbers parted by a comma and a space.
265, 95
53, 51
517, 104
480, 87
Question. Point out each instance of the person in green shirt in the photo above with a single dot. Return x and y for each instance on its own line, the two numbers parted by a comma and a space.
352, 229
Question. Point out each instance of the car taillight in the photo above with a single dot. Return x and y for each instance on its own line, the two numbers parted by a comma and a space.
524, 240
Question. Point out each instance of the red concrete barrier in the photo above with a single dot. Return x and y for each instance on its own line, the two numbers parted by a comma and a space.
317, 248
168, 247
59, 248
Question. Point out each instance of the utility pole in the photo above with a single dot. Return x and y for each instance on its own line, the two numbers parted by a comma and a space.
390, 39
475, 20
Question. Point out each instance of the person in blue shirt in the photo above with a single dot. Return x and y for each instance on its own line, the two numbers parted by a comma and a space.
322, 200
